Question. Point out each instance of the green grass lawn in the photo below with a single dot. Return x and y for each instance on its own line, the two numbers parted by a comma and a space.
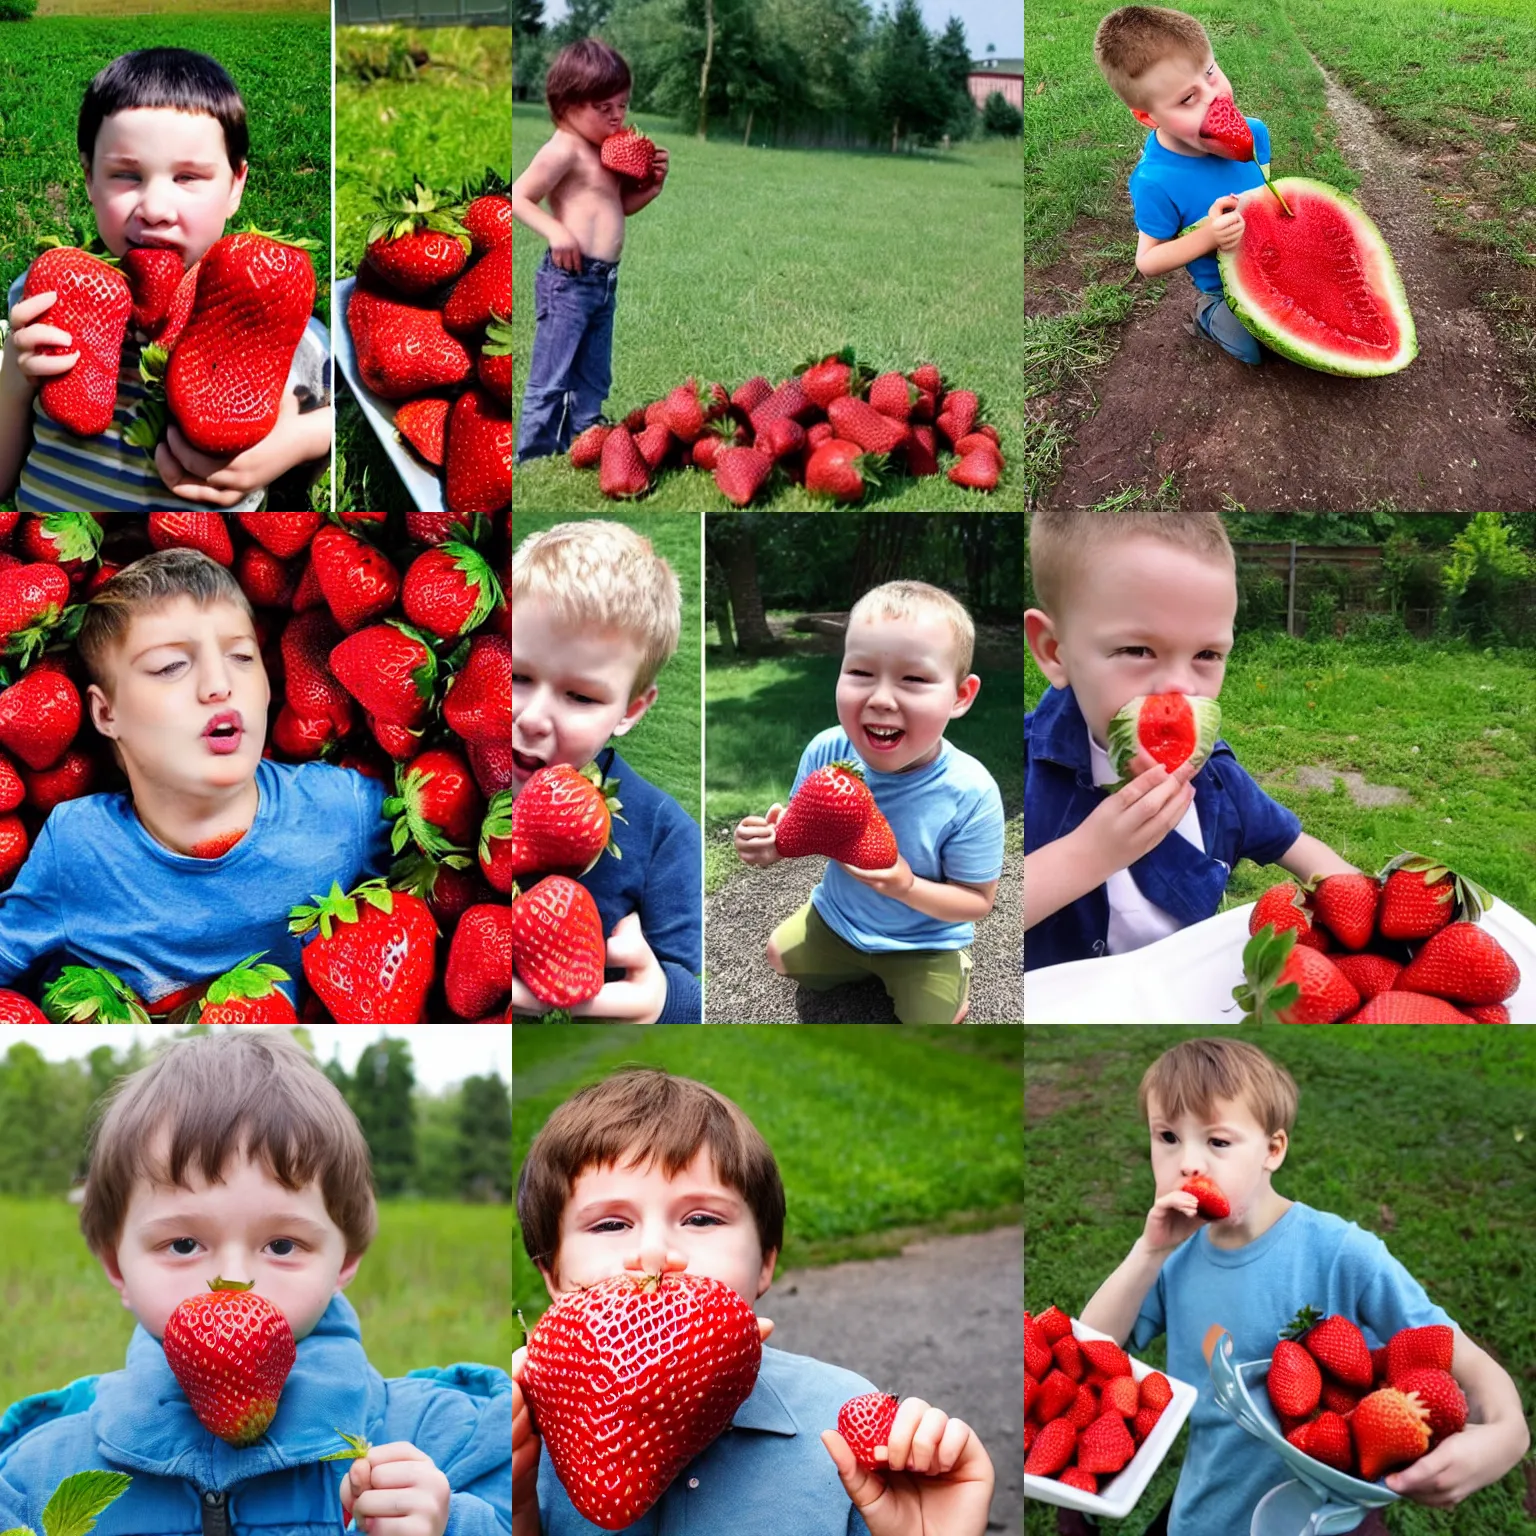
1421, 1136
432, 1290
1451, 725
444, 120
665, 746
876, 1131
754, 260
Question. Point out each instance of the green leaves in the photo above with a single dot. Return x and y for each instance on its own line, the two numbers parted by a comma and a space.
334, 907
1264, 957
357, 1445
81, 994
76, 1503
246, 980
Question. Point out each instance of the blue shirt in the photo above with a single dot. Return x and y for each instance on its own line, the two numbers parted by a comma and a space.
660, 875
98, 886
1308, 1258
1169, 192
1237, 821
947, 818
138, 1421
767, 1475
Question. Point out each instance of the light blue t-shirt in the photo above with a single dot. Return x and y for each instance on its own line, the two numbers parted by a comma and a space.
768, 1474
1308, 1258
98, 886
1169, 192
948, 822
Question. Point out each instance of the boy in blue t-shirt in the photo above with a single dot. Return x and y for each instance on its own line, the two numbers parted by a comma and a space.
197, 866
906, 674
1160, 64
233, 1156
612, 1185
1134, 603
595, 615
1220, 1107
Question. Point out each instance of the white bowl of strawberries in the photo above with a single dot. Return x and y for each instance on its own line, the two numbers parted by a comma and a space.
1097, 1424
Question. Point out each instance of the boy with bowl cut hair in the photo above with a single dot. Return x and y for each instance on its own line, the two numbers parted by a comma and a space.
596, 614
1223, 1109
611, 1185
233, 1156
197, 865
1131, 604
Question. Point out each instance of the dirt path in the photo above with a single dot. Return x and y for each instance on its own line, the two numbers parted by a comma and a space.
942, 1322
741, 988
1441, 435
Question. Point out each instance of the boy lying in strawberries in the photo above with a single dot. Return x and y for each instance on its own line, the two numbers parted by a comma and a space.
648, 1173
162, 138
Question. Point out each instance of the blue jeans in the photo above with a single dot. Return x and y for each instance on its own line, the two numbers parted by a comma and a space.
1226, 330
571, 370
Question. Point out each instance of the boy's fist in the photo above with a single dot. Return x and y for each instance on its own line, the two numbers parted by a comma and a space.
29, 332
525, 1457
1137, 817
1226, 223
659, 166
756, 838
396, 1490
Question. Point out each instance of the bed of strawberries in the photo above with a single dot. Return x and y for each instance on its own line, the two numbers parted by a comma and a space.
388, 644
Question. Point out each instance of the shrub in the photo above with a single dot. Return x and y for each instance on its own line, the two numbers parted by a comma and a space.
17, 10
1001, 118
1260, 599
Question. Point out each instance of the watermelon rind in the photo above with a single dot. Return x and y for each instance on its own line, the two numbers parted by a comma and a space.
1250, 309
1124, 740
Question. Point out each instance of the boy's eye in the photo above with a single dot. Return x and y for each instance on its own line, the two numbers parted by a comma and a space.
582, 698
182, 1252
608, 1224
282, 1247
704, 1217
169, 668
1134, 650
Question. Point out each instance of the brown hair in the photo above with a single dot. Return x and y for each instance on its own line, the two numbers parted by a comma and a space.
1065, 544
583, 71
255, 1092
644, 1115
1134, 38
145, 585
1191, 1077
909, 599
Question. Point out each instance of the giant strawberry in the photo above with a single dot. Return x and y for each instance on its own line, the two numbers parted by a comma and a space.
1223, 124
230, 1352
403, 349
484, 288
562, 821
416, 244
93, 305
448, 590
371, 960
557, 942
628, 153
1464, 963
833, 813
633, 1377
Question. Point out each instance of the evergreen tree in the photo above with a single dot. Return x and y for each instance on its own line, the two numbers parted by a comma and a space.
485, 1140
381, 1100
910, 97
952, 62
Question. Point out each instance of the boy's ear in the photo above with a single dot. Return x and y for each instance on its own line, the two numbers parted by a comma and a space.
101, 711
636, 711
1144, 118
348, 1270
108, 1259
1045, 645
237, 190
965, 696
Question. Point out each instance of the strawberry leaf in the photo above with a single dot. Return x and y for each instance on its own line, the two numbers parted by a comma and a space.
357, 1445
79, 1499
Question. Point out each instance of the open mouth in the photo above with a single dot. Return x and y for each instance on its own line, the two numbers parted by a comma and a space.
883, 738
224, 733
526, 763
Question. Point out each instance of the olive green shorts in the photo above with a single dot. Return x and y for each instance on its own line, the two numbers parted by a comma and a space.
927, 986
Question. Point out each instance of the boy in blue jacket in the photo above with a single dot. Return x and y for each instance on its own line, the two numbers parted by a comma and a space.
235, 1156
595, 615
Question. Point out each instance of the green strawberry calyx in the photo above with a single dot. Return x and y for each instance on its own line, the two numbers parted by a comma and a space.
609, 789
1471, 900
477, 573
498, 822
1303, 1323
151, 415
357, 1445
300, 242
75, 535
81, 994
416, 873
406, 213
492, 184
94, 249
498, 341
412, 821
76, 1502
334, 907
247, 979
1264, 957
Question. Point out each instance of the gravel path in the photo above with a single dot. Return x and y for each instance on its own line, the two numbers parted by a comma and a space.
741, 988
943, 1322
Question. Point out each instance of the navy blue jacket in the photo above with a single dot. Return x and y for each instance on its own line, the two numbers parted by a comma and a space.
1237, 821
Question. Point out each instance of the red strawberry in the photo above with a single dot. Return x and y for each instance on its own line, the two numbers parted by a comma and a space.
557, 942
826, 814
302, 738
1294, 1384
309, 683
32, 598
398, 741
892, 395
403, 349
979, 442
479, 470
68, 779
1437, 1391
1213, 1203
865, 1422
265, 579
1463, 963
1347, 904
448, 892
437, 803
180, 310
449, 590
856, 421
1287, 983
67, 539
494, 364
285, 534
1057, 1393
789, 399
823, 382
926, 377
740, 473
389, 669
633, 1377
1105, 1446
1340, 1399
424, 425
488, 218
371, 960
13, 847
479, 975
206, 532
706, 452
437, 527
1105, 1357
838, 469
1054, 1447
12, 789
628, 153
654, 444
960, 409
750, 395
1326, 1439
1227, 126
485, 288
416, 244
623, 472
875, 846
1337, 1345
230, 1351
248, 994
359, 582
1069, 1358
1488, 1013
922, 455
782, 438
1121, 1396
154, 274
93, 305
977, 471
1156, 1393
1390, 1430
587, 448
1054, 1324
39, 715
478, 704
16, 1009
1369, 974
229, 367
1419, 897
1394, 1007
1428, 1348
683, 411
562, 821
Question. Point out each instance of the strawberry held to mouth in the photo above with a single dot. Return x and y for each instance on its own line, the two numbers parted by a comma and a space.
562, 821
1214, 1205
629, 153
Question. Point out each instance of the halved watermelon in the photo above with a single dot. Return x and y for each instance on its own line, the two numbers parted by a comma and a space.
1170, 728
1320, 288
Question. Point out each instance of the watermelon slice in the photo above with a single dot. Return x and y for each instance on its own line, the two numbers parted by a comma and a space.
1171, 728
1319, 288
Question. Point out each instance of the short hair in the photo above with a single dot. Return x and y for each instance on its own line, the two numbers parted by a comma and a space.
583, 71
604, 574
1066, 544
1191, 1077
253, 1091
147, 584
909, 599
1134, 38
165, 77
644, 1115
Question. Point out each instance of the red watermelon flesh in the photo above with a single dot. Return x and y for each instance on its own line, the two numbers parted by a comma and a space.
1171, 728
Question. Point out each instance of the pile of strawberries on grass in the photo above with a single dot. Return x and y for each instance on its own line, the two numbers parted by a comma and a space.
431, 324
834, 427
1401, 947
1360, 1410
1084, 1411
388, 648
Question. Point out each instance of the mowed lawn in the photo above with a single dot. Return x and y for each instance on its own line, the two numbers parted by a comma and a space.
756, 261
433, 1289
1423, 1137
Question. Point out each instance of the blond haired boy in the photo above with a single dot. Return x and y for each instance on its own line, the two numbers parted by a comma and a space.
906, 674
1159, 62
1220, 1107
233, 1156
595, 615
1134, 603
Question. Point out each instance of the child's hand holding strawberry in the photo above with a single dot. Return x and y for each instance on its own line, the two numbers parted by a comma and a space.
525, 1457
755, 838
23, 364
212, 481
396, 1490
1136, 818
1171, 1220
894, 882
642, 994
